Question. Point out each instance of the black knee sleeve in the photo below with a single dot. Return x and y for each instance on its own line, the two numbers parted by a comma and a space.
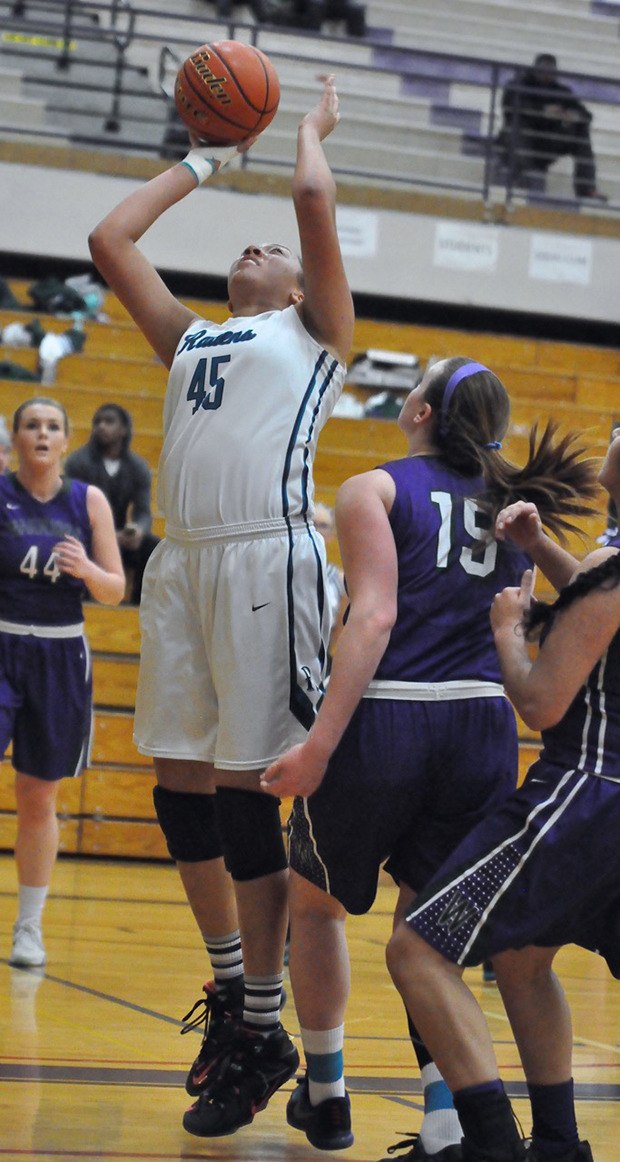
189, 823
251, 833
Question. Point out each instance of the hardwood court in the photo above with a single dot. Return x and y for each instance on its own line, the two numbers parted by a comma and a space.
92, 1064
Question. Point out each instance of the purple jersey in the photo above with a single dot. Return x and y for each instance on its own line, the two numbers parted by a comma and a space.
544, 868
447, 578
32, 589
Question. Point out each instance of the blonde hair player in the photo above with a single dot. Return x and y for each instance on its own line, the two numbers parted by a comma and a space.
57, 546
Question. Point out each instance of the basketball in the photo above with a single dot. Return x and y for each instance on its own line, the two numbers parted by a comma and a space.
226, 91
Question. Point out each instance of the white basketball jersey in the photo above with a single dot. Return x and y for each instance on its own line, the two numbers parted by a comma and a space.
245, 403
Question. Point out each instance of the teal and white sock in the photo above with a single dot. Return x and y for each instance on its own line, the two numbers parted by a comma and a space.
323, 1049
440, 1125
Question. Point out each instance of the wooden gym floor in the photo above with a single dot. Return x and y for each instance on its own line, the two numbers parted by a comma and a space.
92, 1065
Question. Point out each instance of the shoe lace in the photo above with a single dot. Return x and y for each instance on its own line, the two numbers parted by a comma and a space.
206, 1008
406, 1144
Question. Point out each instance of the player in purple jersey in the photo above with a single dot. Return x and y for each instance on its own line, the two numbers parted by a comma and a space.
415, 739
236, 589
542, 871
57, 546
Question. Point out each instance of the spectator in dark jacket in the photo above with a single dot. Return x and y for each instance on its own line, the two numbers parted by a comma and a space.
125, 478
543, 121
311, 14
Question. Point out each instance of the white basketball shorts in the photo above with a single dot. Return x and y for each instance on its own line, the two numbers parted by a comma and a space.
234, 643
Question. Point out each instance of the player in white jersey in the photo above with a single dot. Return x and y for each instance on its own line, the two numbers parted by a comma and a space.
234, 617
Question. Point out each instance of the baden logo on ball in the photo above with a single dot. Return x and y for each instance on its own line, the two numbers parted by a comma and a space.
226, 92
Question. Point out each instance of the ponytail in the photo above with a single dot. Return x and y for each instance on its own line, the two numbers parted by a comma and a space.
473, 413
557, 477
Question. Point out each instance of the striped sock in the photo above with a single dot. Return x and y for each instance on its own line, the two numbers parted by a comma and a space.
226, 958
262, 1002
324, 1062
440, 1125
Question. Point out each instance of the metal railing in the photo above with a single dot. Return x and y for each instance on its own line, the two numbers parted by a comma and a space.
448, 148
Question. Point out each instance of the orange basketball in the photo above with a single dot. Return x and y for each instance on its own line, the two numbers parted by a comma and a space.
227, 91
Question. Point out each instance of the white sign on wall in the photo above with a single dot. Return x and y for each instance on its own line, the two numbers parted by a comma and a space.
357, 232
560, 258
465, 246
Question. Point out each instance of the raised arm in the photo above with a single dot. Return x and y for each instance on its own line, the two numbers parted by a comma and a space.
371, 569
327, 308
542, 690
127, 271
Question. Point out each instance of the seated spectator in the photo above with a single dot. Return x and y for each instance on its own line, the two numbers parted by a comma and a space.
353, 15
125, 478
224, 8
543, 121
311, 14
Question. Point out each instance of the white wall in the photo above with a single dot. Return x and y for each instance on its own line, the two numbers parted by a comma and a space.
49, 212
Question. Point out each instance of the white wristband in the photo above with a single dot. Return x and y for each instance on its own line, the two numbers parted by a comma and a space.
205, 160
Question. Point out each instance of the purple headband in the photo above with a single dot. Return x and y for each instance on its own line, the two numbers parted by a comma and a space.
453, 382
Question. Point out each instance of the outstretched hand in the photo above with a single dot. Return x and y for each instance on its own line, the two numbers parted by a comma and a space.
295, 773
325, 115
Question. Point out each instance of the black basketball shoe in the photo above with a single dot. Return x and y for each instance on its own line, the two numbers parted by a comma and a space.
246, 1077
582, 1152
514, 1152
417, 1153
327, 1126
221, 1012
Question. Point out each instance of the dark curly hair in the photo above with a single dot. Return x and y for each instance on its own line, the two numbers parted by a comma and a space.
125, 418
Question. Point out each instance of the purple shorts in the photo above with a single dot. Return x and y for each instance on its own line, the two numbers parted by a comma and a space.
46, 704
406, 783
544, 869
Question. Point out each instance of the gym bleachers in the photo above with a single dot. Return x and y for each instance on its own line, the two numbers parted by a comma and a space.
419, 106
109, 811
584, 35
